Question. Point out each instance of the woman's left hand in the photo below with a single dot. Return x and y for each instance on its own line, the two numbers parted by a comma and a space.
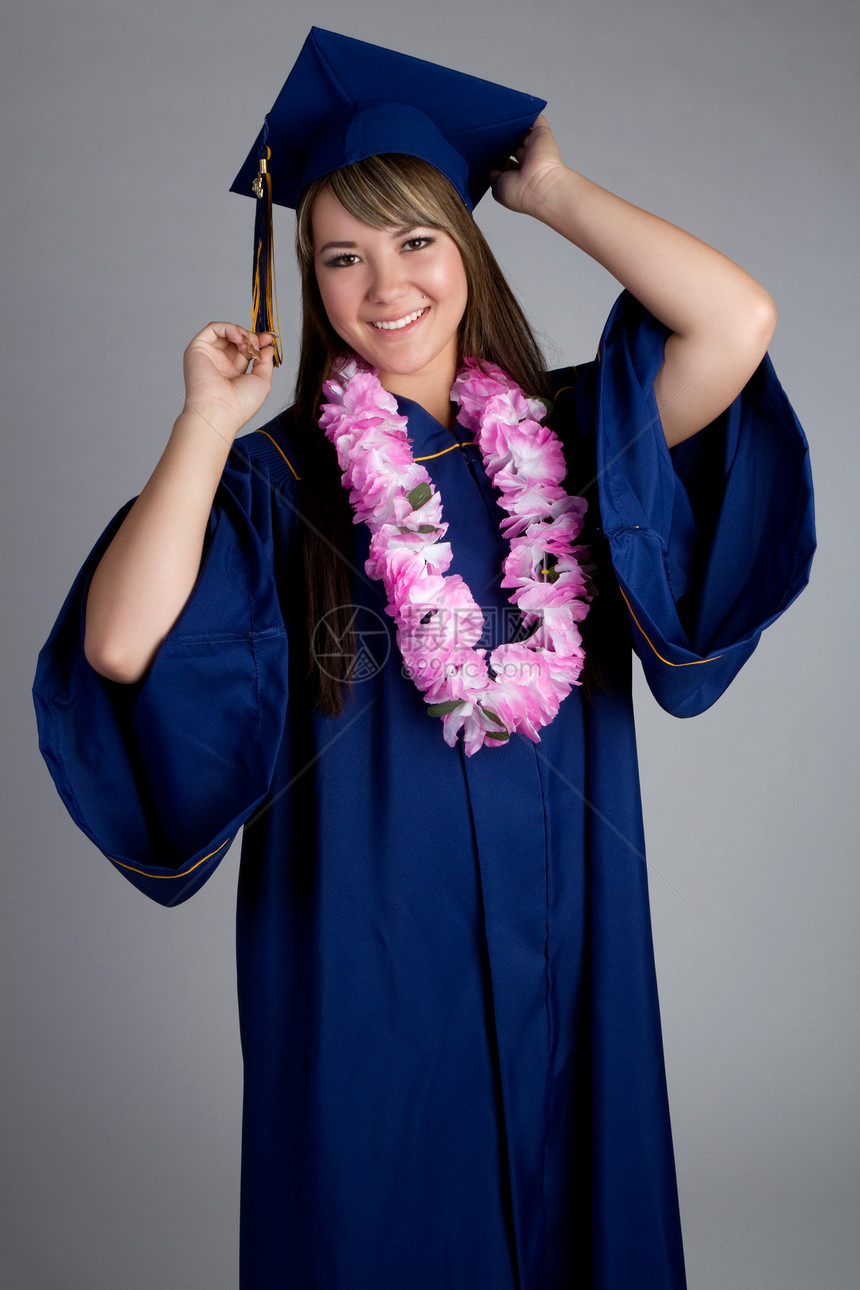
531, 173
720, 318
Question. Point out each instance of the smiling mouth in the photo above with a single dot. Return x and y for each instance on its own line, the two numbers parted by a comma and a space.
400, 322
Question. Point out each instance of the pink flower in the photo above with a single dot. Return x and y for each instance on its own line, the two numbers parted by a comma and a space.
463, 676
441, 614
524, 449
531, 500
474, 732
494, 436
473, 387
527, 695
524, 562
536, 451
374, 485
562, 644
539, 597
429, 513
389, 538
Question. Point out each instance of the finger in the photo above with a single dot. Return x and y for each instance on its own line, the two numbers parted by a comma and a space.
221, 336
230, 331
244, 340
260, 341
264, 363
533, 129
215, 331
510, 164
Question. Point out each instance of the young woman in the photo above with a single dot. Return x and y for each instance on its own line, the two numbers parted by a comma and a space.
449, 1016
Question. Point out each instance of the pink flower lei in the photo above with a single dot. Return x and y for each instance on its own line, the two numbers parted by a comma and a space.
438, 622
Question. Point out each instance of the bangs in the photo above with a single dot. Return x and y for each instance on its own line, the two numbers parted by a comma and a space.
388, 191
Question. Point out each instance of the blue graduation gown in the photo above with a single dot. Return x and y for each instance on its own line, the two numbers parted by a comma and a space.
454, 1072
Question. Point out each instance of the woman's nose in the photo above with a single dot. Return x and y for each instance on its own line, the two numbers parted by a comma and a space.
387, 281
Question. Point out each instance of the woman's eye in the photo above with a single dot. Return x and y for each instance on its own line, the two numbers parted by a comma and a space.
341, 261
416, 243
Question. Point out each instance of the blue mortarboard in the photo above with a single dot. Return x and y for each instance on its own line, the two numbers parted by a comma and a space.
346, 100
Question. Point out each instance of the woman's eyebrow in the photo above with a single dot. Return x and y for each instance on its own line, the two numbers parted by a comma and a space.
395, 232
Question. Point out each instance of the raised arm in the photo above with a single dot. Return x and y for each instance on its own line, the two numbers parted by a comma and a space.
148, 572
720, 318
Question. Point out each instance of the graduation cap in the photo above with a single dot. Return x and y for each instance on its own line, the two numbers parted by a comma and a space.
346, 100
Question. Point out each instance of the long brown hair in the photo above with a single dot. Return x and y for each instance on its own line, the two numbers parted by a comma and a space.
385, 191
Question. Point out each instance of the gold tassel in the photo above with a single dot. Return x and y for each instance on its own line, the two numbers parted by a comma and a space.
264, 295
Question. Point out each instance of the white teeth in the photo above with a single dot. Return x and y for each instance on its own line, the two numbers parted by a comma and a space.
401, 322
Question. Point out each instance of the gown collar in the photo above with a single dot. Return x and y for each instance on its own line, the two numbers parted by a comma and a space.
428, 436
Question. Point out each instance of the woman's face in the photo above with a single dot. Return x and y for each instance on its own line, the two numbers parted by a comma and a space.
395, 295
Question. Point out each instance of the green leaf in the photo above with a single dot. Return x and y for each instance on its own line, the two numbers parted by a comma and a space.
442, 709
548, 404
494, 716
422, 528
419, 496
503, 739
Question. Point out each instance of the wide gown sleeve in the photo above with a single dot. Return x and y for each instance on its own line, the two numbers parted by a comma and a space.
710, 542
161, 775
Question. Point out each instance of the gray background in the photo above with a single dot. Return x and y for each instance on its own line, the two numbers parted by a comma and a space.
122, 128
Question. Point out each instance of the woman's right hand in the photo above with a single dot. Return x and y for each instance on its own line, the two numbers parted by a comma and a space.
148, 572
218, 380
